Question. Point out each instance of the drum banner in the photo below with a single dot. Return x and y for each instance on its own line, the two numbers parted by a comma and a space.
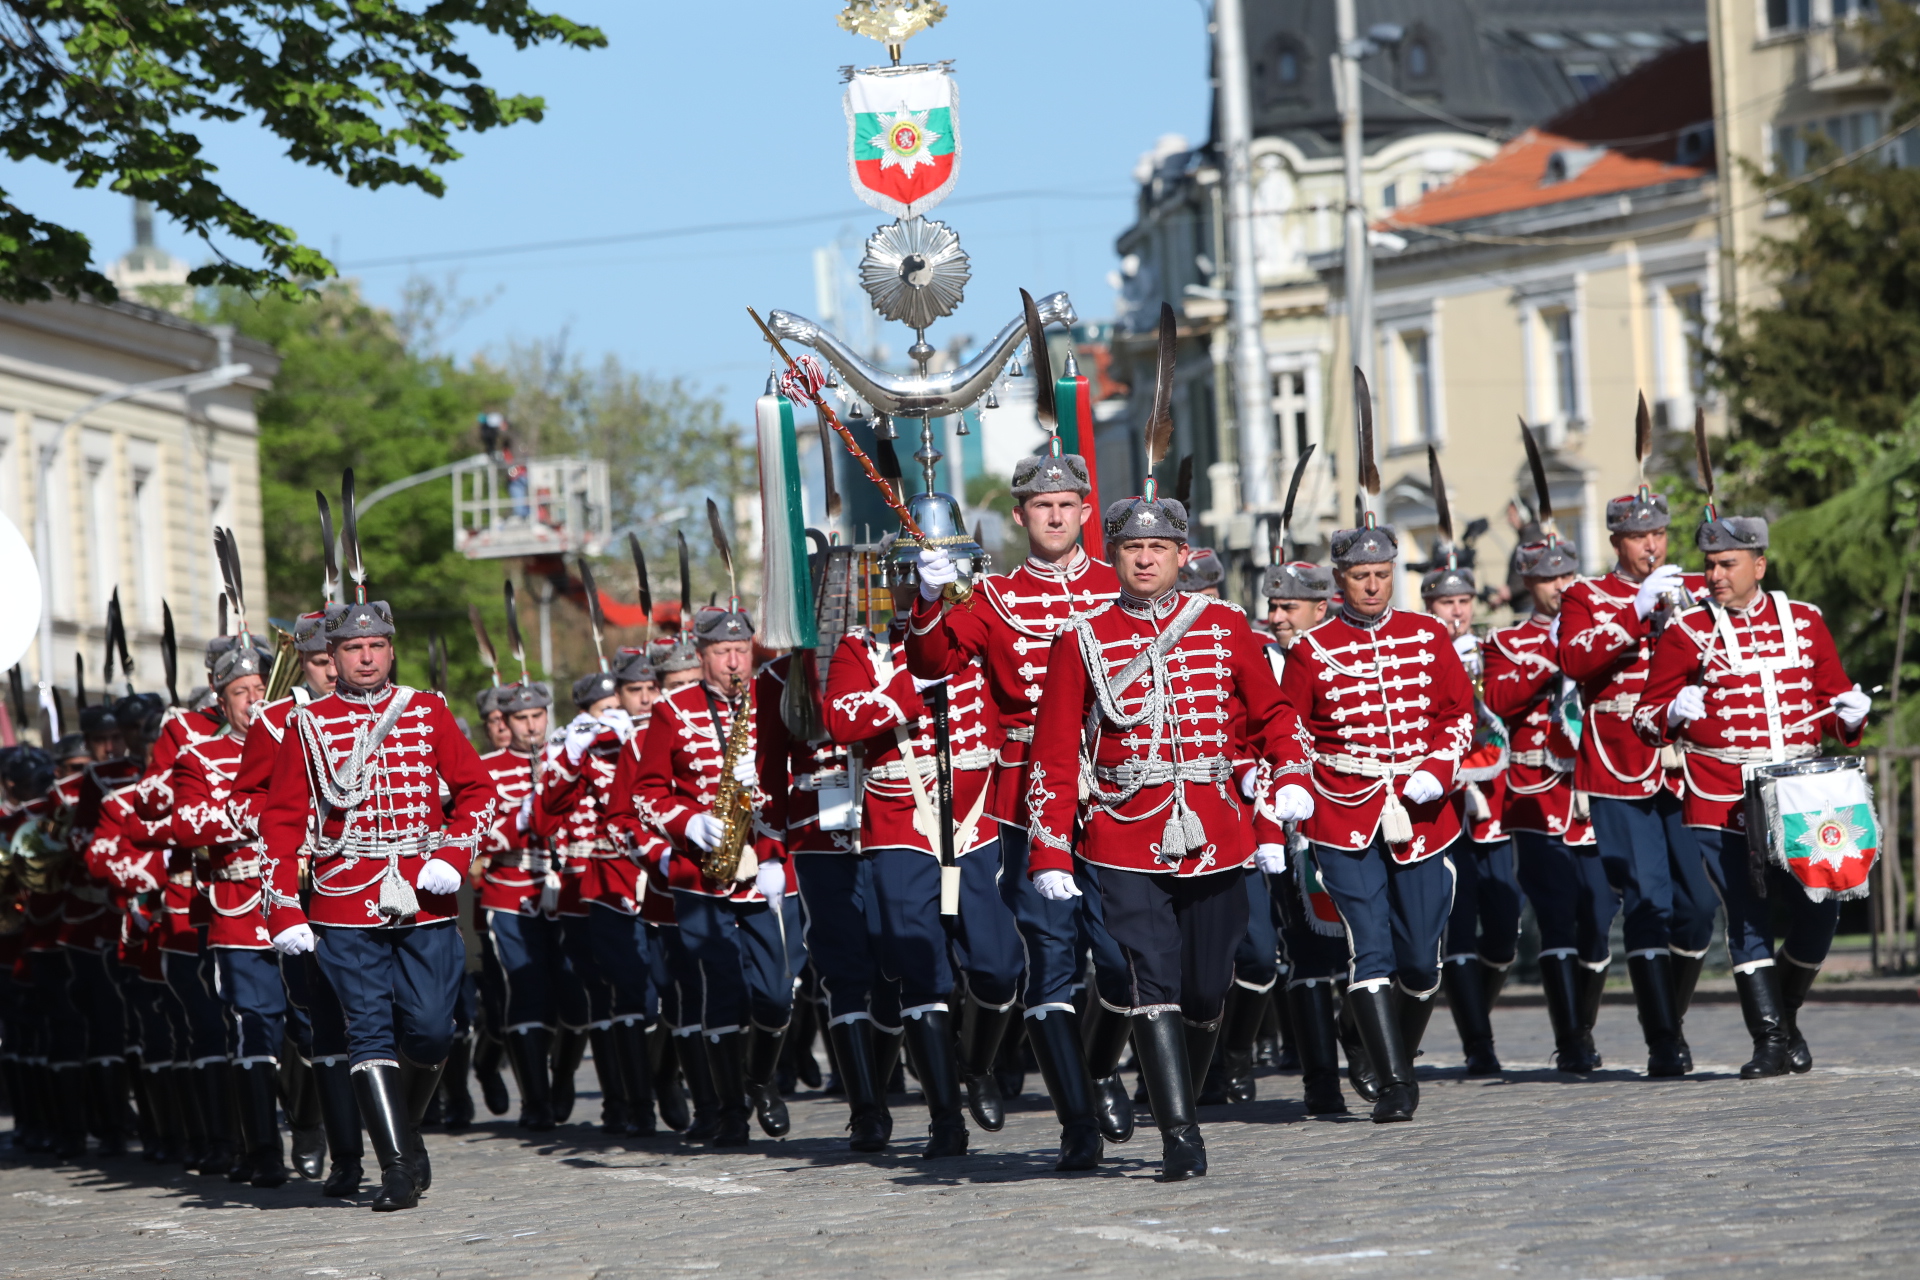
903, 138
1826, 835
1322, 916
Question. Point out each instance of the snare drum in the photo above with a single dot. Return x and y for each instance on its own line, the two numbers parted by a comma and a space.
1815, 820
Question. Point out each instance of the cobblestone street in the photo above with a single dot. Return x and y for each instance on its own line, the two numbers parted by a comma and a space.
1526, 1175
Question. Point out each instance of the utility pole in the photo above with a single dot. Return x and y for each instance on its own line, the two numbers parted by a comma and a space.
1249, 355
1359, 260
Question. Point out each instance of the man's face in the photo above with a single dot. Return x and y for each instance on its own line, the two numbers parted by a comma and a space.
525, 730
637, 696
317, 668
671, 680
594, 708
723, 661
1546, 593
499, 733
1150, 566
1052, 522
1367, 588
238, 698
110, 745
1291, 619
1640, 553
1733, 576
363, 662
1455, 611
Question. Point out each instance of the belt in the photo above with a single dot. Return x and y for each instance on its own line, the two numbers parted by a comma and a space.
519, 860
1752, 755
1620, 706
896, 770
1542, 760
1152, 773
249, 869
1366, 766
823, 781
180, 877
1020, 733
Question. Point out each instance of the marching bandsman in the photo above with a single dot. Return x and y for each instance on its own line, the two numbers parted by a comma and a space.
493, 721
1608, 626
878, 707
1753, 679
1390, 711
1141, 700
364, 767
744, 933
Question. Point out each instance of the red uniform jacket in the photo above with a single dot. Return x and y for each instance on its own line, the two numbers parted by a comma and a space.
1008, 626
1381, 703
870, 700
1606, 648
152, 797
1483, 769
89, 911
1135, 775
210, 814
793, 774
1522, 681
515, 859
394, 807
571, 813
1769, 698
674, 775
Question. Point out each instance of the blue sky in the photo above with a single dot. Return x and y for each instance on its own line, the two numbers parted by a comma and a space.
683, 122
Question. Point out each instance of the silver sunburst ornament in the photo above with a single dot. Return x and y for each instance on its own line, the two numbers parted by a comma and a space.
915, 271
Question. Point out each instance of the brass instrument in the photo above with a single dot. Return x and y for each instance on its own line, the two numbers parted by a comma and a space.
40, 854
286, 667
729, 861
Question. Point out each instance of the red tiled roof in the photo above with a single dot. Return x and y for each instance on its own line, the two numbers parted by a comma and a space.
1516, 178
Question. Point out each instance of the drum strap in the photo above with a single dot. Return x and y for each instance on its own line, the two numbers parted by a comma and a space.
1766, 668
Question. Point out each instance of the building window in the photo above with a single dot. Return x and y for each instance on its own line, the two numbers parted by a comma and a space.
1410, 391
103, 543
1390, 196
1587, 77
1420, 380
1690, 305
1286, 68
1848, 133
1566, 378
148, 562
1290, 413
1419, 60
1788, 15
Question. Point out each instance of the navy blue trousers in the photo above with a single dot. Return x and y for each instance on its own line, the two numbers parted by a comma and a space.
919, 948
1653, 861
1395, 912
842, 929
199, 1019
1572, 901
1256, 961
53, 999
1059, 936
1485, 920
397, 987
586, 997
1750, 917
527, 949
622, 953
749, 954
149, 1002
1178, 935
95, 992
309, 991
249, 985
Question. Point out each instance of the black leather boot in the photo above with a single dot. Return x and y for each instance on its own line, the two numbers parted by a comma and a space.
107, 1090
888, 1043
869, 1123
1414, 1015
488, 1054
929, 1041
169, 1125
569, 1047
636, 1075
1286, 1055
669, 1092
613, 1089
1589, 985
383, 1110
70, 1117
1310, 1006
1162, 1041
1765, 1012
763, 1086
213, 1086
340, 1113
184, 1082
1055, 1037
698, 1070
455, 1094
265, 1157
528, 1052
1104, 1034
1493, 978
1246, 1010
1563, 1012
982, 1027
796, 1051
419, 1085
1202, 1039
1010, 1064
146, 1124
300, 1098
1466, 1000
726, 1058
1362, 1078
1377, 1016
1795, 981
1652, 977
1686, 977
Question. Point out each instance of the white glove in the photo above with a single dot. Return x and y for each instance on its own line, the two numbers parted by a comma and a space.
936, 571
921, 686
617, 719
1056, 886
1270, 858
438, 877
1469, 650
1665, 578
1250, 784
1852, 707
1293, 803
1688, 704
666, 857
580, 736
771, 880
524, 819
746, 772
294, 940
703, 829
1422, 788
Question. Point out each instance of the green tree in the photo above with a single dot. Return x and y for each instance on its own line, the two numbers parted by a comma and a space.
370, 90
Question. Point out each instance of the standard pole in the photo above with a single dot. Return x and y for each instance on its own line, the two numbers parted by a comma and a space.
1359, 260
546, 627
1251, 401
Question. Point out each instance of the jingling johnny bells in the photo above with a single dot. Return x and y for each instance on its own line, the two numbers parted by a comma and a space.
1181, 839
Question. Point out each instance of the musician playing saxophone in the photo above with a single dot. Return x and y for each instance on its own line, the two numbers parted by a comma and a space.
1753, 678
745, 933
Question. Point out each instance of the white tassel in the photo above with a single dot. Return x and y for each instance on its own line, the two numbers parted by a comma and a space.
1173, 839
1196, 834
786, 599
1395, 825
1670, 758
550, 894
1581, 810
397, 901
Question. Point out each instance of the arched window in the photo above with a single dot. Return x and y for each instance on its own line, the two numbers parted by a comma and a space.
1281, 70
1419, 60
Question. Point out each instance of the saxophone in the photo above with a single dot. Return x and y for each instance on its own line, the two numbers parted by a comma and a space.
729, 860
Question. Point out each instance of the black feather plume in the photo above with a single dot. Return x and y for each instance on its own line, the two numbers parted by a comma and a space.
1160, 419
724, 546
1442, 512
1042, 366
1293, 491
1704, 460
1542, 495
332, 583
514, 643
686, 582
596, 621
1363, 410
1183, 483
640, 570
169, 654
485, 642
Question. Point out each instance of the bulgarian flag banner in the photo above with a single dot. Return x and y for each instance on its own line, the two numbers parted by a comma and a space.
903, 138
1828, 837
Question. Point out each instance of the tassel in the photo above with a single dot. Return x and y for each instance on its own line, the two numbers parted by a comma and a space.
1196, 834
1670, 758
786, 599
1477, 807
749, 866
550, 894
1581, 809
1395, 825
397, 901
1173, 839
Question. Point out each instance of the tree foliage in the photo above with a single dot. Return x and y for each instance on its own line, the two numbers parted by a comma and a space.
374, 91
